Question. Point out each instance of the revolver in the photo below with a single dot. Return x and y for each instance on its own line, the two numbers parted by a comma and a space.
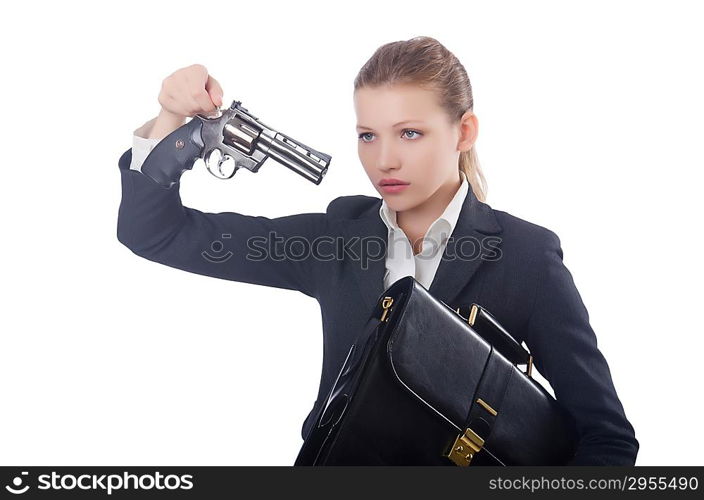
239, 139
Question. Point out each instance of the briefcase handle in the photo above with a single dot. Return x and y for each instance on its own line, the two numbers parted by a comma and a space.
484, 323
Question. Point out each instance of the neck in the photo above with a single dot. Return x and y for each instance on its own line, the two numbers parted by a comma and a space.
416, 221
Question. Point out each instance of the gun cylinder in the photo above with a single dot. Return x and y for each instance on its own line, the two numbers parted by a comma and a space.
239, 134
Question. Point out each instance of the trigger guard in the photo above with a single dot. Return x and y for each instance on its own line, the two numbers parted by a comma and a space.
223, 160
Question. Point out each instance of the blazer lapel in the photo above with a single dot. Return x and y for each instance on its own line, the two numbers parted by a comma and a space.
466, 248
367, 238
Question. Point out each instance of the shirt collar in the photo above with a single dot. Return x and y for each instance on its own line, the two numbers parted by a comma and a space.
449, 215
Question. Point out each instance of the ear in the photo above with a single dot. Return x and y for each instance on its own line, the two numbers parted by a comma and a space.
469, 129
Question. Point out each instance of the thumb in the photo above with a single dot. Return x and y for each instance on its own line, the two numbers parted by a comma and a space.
214, 91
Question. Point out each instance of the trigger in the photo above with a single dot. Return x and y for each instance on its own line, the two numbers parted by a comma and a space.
214, 152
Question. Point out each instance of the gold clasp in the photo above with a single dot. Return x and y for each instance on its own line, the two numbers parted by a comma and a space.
464, 448
386, 304
470, 443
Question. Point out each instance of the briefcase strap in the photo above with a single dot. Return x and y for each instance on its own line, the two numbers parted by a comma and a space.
483, 412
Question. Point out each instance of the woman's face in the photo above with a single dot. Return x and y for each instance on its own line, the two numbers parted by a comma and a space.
422, 151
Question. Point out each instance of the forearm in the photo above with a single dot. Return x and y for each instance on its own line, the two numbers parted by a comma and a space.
148, 213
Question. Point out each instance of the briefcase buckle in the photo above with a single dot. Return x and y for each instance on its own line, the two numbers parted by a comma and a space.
464, 448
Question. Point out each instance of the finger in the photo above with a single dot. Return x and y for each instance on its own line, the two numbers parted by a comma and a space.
203, 101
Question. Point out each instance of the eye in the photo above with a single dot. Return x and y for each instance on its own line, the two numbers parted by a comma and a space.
418, 134
412, 131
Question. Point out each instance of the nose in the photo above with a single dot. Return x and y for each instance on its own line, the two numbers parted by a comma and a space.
387, 158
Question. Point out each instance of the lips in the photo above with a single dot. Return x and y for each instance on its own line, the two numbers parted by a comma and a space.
393, 182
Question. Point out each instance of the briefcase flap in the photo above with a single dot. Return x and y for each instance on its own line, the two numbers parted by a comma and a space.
437, 356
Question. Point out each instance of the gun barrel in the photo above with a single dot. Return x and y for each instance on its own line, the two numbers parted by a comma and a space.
303, 160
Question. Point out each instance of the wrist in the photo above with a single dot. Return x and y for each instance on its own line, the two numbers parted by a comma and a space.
166, 113
166, 123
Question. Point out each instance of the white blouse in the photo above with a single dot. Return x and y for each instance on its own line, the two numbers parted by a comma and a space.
400, 260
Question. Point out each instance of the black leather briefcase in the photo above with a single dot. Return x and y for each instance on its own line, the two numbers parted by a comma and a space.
423, 385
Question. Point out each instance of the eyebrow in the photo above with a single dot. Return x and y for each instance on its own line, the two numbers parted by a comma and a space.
394, 125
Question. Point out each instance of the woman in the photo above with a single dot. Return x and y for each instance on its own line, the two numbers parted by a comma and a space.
417, 131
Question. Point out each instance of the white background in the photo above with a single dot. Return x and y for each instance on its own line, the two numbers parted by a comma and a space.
590, 120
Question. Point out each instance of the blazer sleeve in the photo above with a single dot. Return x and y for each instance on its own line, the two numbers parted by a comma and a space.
565, 351
154, 224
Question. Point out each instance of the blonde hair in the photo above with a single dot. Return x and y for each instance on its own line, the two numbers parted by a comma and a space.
425, 62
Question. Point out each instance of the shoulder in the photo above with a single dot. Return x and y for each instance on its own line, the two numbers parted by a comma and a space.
353, 207
526, 236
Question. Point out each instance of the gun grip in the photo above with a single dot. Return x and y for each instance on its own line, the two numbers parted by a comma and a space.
174, 154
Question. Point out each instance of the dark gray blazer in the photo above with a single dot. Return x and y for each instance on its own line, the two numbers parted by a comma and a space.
510, 266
